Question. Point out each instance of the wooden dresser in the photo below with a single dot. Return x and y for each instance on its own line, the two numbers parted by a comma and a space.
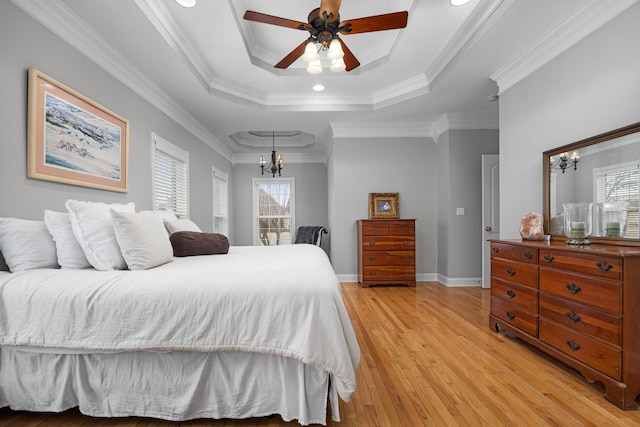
386, 252
581, 305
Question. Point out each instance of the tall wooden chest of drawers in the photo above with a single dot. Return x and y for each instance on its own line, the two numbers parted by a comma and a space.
386, 252
581, 305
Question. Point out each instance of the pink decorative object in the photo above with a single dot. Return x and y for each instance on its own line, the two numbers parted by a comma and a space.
531, 227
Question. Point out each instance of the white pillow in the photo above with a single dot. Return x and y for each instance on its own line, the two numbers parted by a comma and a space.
173, 226
26, 244
143, 240
91, 224
69, 251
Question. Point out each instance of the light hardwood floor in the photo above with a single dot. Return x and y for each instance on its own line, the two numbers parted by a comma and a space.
429, 358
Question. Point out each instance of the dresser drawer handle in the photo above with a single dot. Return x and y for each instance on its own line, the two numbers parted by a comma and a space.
510, 315
372, 243
604, 266
528, 255
406, 243
405, 258
574, 346
548, 258
573, 288
495, 249
511, 272
372, 274
372, 258
573, 318
405, 273
511, 294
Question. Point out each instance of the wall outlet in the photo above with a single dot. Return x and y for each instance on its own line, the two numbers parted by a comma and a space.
459, 211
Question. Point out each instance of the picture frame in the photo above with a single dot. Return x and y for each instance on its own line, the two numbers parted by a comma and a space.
74, 140
384, 205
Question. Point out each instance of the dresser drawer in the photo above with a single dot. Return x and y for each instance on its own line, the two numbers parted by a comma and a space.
589, 321
402, 228
388, 243
594, 265
389, 258
514, 315
515, 272
599, 355
515, 253
375, 228
522, 296
392, 273
592, 291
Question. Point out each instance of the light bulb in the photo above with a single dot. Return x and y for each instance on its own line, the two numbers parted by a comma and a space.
338, 65
310, 52
314, 67
335, 50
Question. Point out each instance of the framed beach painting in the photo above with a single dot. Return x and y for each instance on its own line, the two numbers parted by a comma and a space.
383, 205
74, 140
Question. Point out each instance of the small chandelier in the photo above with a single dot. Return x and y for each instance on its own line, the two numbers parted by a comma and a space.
563, 162
334, 53
276, 160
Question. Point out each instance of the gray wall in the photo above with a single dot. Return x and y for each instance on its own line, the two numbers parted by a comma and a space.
592, 88
25, 43
311, 198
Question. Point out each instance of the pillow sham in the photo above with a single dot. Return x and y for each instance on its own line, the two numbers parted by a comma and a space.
68, 250
142, 238
189, 243
173, 226
92, 226
26, 244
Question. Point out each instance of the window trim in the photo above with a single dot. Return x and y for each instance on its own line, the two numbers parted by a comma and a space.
255, 181
160, 144
218, 174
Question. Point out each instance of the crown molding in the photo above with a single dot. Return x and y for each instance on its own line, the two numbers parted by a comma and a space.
63, 22
584, 21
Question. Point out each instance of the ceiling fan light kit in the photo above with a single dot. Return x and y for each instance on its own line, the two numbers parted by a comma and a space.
324, 27
186, 3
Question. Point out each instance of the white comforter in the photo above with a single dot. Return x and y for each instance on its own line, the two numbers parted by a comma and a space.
283, 300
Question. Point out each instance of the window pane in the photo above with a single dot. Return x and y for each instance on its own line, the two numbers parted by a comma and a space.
273, 210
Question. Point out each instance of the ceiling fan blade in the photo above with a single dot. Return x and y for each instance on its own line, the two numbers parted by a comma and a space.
388, 21
331, 7
292, 56
349, 58
250, 15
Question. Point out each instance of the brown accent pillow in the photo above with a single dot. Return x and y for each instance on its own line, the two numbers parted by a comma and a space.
189, 243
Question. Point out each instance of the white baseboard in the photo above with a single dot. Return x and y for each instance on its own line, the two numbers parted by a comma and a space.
426, 277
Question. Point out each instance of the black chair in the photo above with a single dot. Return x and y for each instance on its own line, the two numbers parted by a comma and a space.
311, 234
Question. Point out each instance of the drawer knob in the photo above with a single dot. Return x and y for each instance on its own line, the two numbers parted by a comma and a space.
510, 315
528, 255
405, 258
372, 243
573, 317
511, 294
511, 272
372, 258
604, 266
548, 258
573, 288
405, 243
495, 249
574, 346
372, 274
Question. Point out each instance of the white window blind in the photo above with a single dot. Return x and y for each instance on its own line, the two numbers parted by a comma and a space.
273, 211
220, 202
170, 177
619, 183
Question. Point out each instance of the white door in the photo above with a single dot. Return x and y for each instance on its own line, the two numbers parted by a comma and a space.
490, 211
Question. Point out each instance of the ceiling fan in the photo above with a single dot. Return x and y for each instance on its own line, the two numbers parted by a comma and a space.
324, 26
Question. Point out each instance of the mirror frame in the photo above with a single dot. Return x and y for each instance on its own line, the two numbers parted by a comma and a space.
546, 181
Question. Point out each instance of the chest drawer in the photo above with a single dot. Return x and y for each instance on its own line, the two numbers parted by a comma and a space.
388, 243
592, 291
515, 253
515, 315
593, 265
597, 354
389, 258
515, 272
522, 296
581, 318
389, 272
375, 228
402, 228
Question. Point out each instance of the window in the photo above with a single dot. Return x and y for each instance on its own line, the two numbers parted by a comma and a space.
619, 183
170, 177
273, 211
220, 202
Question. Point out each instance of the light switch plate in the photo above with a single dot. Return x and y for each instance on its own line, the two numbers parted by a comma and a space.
459, 211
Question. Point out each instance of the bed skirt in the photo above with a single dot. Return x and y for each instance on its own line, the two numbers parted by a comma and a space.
173, 386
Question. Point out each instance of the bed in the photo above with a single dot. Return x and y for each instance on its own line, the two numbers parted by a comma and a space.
254, 332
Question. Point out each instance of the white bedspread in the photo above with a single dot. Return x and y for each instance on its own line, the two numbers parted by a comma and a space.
283, 300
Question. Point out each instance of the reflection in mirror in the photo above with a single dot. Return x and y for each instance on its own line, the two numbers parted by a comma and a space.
604, 170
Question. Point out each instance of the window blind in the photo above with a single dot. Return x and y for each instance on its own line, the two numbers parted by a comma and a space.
619, 183
170, 177
220, 202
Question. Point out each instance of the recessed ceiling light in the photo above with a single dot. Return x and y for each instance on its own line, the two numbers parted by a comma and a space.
458, 2
318, 87
186, 3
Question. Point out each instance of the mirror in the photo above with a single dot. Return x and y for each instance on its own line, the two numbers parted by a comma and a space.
603, 168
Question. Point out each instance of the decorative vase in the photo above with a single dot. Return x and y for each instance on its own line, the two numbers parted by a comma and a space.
578, 222
611, 219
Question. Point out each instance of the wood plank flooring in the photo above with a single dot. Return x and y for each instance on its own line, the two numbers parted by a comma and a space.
429, 358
